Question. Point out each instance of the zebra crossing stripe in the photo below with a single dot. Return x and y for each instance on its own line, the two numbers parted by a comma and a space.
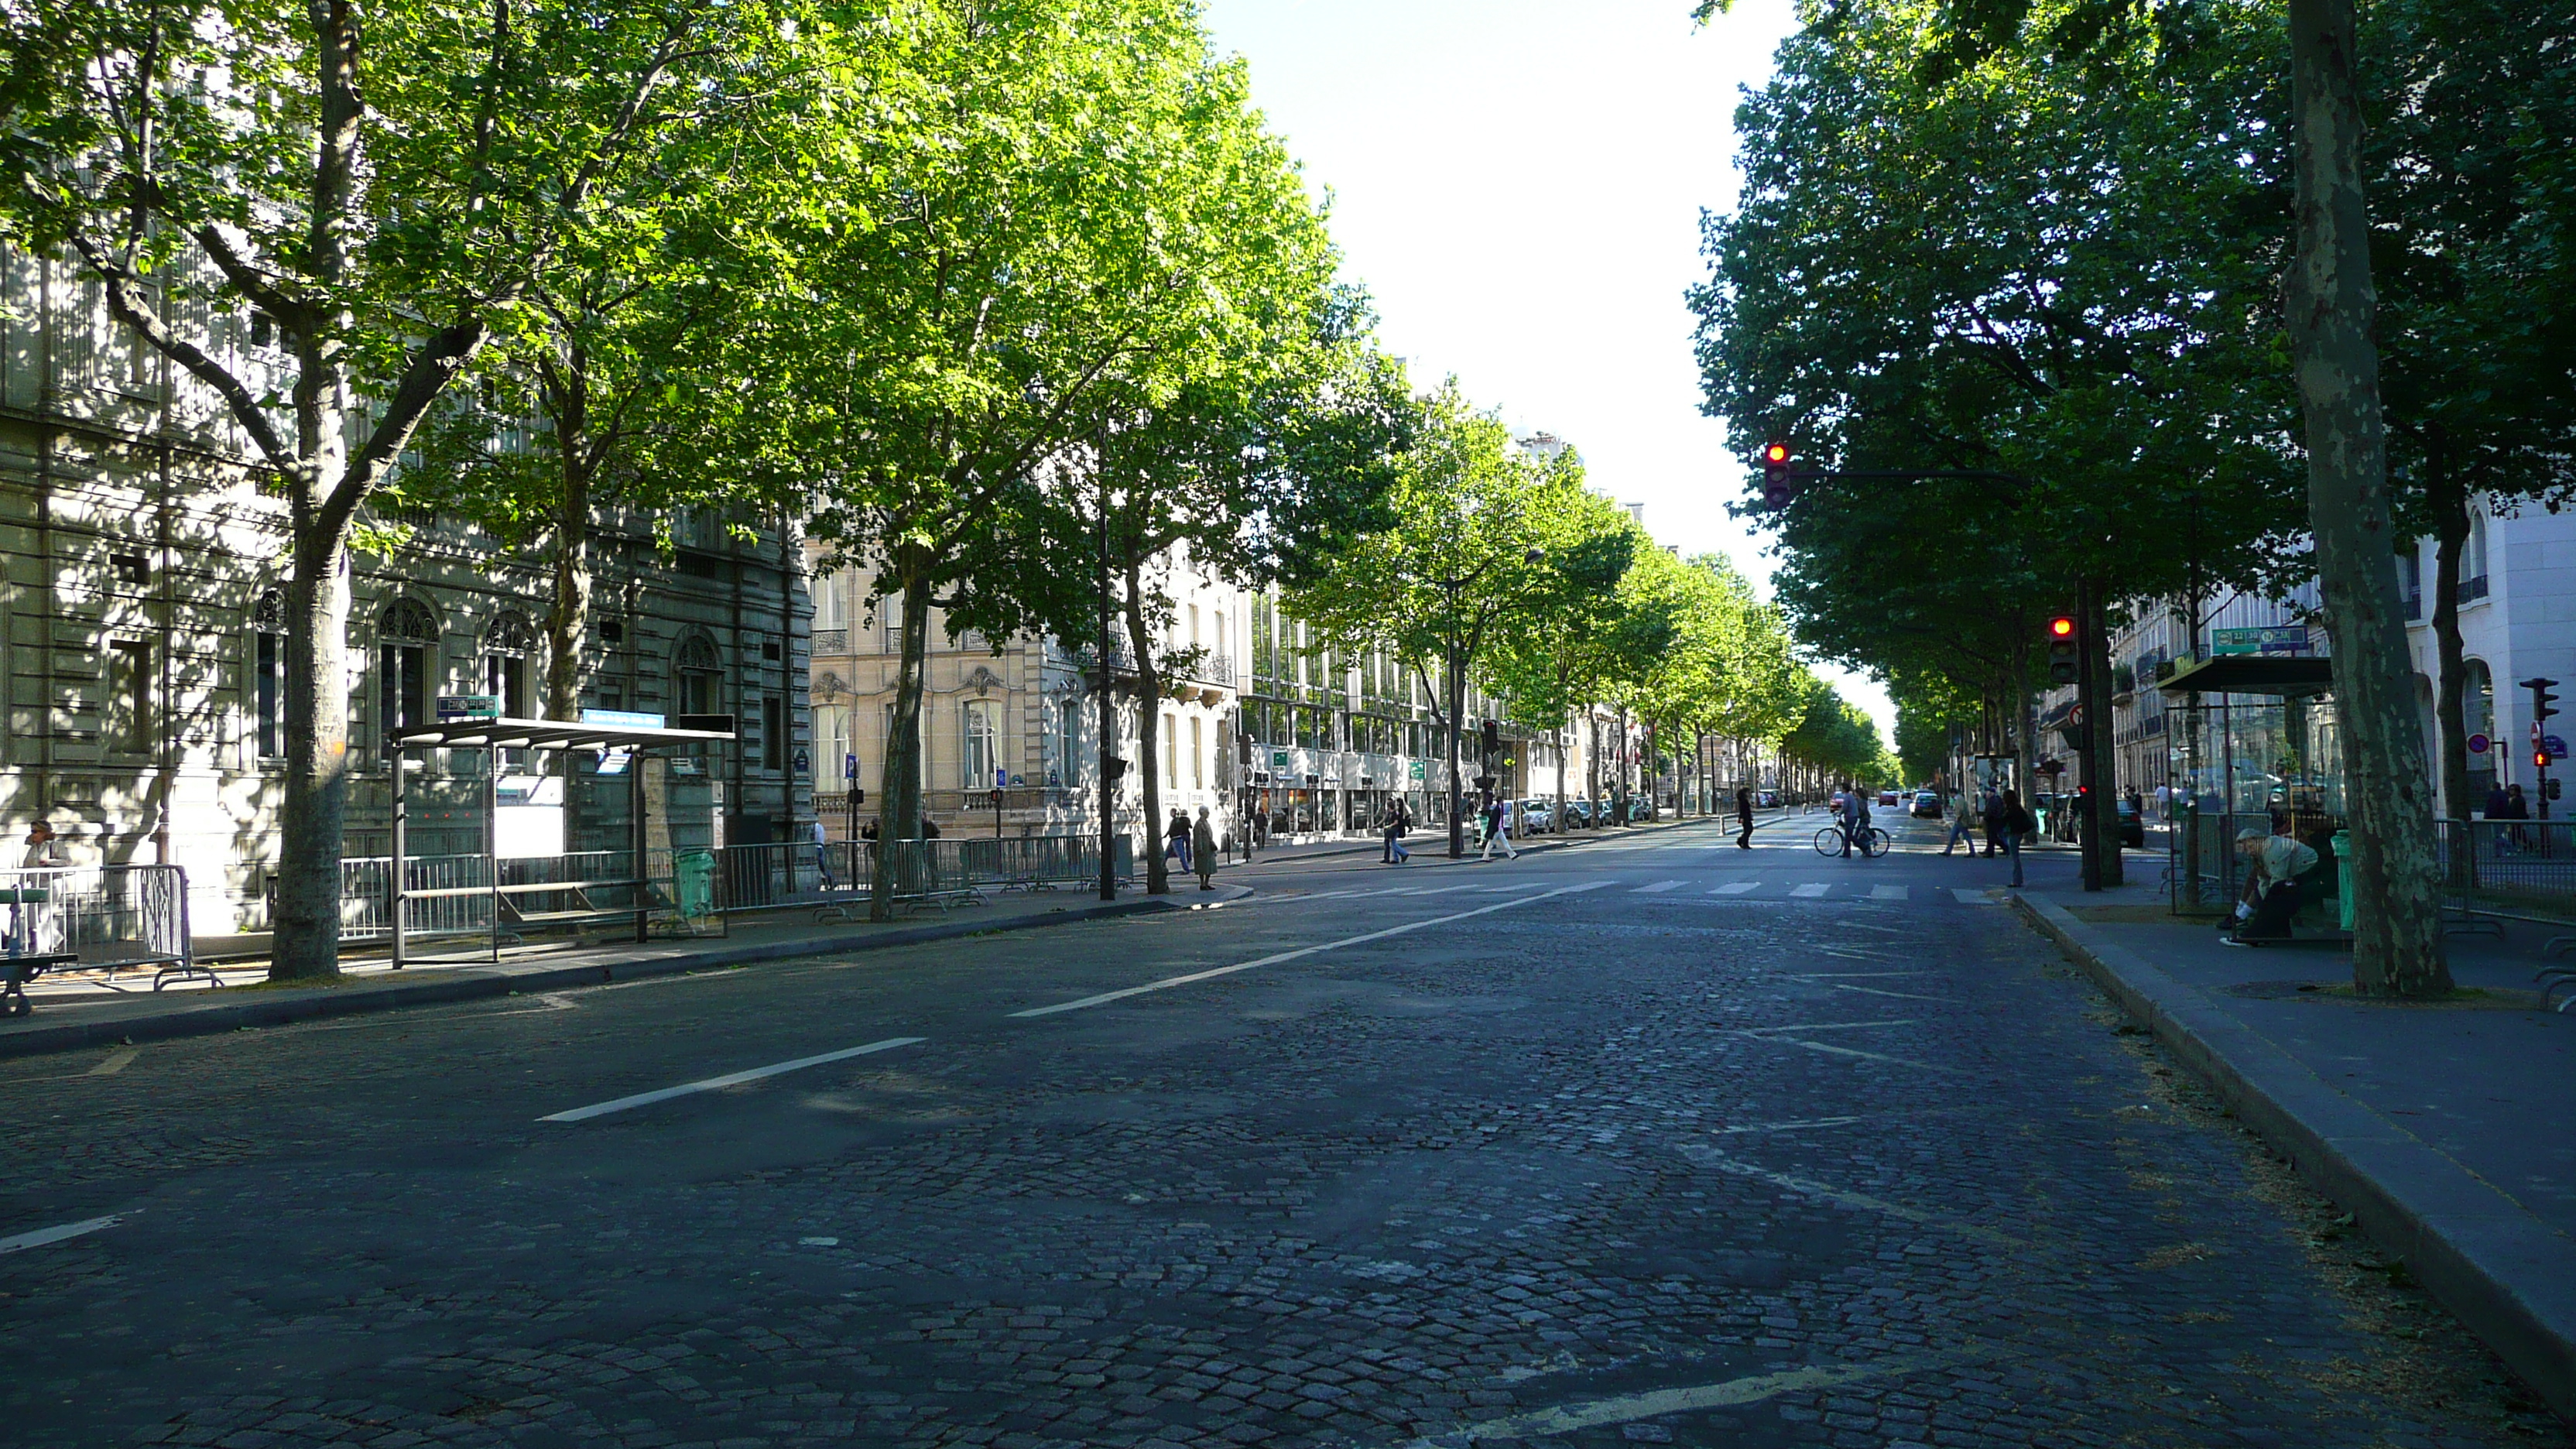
1658, 887
1811, 890
1889, 893
1737, 888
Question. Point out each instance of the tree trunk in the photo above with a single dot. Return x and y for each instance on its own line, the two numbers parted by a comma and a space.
568, 612
2101, 759
1556, 817
306, 925
2449, 502
899, 795
1149, 752
2397, 923
1454, 685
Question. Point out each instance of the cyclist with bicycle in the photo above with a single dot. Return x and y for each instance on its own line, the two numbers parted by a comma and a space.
1851, 827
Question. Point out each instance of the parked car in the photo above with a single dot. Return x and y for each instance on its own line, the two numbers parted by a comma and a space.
2133, 829
1887, 797
1767, 799
1537, 816
1578, 814
1927, 805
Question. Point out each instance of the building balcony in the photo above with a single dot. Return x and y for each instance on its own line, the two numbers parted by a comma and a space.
2472, 590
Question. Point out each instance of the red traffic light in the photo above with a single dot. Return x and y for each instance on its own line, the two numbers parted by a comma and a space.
2061, 627
2540, 757
1775, 454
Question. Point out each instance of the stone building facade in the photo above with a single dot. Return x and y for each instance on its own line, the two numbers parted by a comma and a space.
142, 568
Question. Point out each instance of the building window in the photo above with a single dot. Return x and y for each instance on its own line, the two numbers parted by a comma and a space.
890, 616
128, 726
1171, 754
831, 601
268, 676
773, 732
696, 677
831, 745
404, 637
505, 665
982, 753
1198, 755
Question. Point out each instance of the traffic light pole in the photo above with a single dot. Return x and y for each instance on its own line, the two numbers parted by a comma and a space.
2543, 709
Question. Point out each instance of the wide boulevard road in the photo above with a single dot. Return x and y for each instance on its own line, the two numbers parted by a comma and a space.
1643, 1139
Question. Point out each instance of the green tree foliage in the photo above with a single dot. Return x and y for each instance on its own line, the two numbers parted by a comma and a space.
1459, 563
385, 206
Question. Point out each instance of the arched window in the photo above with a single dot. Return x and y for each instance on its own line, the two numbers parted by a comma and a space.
268, 675
405, 635
697, 672
506, 645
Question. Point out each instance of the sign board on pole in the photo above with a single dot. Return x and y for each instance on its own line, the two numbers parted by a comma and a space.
2480, 744
850, 766
2556, 745
468, 706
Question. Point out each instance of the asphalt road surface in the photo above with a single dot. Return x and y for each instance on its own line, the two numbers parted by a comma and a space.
1645, 1139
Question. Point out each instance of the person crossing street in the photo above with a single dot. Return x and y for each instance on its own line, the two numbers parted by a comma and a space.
1744, 817
1498, 830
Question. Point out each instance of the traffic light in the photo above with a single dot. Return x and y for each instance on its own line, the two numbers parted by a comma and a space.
2540, 756
2550, 790
1117, 769
2062, 650
1778, 489
2543, 696
1492, 738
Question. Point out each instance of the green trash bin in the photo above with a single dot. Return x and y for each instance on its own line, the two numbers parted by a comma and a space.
694, 882
2343, 877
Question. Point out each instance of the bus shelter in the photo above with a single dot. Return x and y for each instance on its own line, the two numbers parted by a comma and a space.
2254, 742
554, 888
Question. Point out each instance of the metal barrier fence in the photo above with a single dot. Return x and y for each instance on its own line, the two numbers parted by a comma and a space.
110, 916
2517, 868
455, 898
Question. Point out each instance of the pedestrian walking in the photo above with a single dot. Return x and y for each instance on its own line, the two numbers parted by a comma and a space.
1498, 830
44, 852
1744, 818
1963, 822
1400, 821
2016, 823
1177, 838
823, 857
1203, 850
1990, 809
2515, 808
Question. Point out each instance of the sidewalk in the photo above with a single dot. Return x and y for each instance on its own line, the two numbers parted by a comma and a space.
2441, 1127
88, 1010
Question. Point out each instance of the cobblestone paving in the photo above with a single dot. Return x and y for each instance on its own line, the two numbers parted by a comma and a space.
1593, 1171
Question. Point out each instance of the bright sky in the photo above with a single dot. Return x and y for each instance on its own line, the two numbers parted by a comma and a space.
1519, 184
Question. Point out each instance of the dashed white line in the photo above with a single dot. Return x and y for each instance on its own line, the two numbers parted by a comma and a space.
1168, 982
1737, 888
116, 1061
730, 1079
1655, 1403
1889, 892
42, 1236
1810, 890
1658, 887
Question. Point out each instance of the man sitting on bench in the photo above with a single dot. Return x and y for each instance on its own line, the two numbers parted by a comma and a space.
2274, 864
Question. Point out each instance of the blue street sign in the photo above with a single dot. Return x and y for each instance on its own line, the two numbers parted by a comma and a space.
849, 767
2557, 746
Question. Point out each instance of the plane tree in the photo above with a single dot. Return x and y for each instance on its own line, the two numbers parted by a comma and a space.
382, 203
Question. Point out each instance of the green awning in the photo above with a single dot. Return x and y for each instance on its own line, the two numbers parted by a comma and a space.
2287, 675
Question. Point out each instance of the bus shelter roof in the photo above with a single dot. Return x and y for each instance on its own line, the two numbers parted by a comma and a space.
2286, 675
547, 734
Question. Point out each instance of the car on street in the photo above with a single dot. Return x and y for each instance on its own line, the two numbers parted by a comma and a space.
2133, 828
1927, 806
1767, 799
1537, 816
1578, 814
1887, 797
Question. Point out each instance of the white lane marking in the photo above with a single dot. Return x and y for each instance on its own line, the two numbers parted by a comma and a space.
117, 1061
1890, 892
1970, 898
1852, 975
1168, 982
1655, 1403
1817, 1046
1737, 888
1852, 955
730, 1079
1442, 890
1877, 991
41, 1236
1707, 1156
1811, 890
1785, 1126
550, 1001
1658, 887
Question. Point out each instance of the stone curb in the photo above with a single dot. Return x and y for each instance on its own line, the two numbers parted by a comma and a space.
473, 985
2504, 1273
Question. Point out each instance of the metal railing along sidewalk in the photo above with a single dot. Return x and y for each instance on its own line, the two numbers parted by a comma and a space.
104, 916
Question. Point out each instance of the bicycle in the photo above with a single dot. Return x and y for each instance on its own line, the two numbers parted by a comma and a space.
1869, 841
